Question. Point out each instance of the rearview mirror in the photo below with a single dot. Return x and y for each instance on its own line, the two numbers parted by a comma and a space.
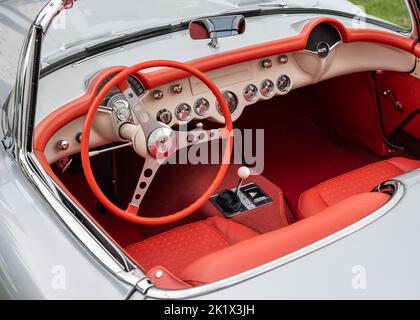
217, 27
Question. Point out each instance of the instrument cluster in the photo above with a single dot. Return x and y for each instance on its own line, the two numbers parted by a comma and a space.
241, 85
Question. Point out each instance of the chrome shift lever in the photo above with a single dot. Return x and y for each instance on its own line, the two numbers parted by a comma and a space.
243, 174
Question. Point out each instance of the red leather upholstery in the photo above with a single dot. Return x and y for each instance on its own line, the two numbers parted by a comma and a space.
176, 249
266, 247
358, 181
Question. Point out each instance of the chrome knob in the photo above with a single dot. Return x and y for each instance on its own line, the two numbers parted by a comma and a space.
157, 95
177, 89
283, 59
63, 145
266, 63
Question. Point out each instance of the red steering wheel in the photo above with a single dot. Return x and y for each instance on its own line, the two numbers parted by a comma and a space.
158, 140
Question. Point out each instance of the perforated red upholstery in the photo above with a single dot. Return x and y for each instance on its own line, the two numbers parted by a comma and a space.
176, 249
358, 181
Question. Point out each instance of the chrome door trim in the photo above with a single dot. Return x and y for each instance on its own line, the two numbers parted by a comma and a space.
156, 293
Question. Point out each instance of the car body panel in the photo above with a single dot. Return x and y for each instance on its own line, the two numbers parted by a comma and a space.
37, 250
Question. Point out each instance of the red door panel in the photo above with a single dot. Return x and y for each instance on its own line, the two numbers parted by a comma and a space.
404, 89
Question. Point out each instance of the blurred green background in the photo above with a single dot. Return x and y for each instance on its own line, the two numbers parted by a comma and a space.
394, 11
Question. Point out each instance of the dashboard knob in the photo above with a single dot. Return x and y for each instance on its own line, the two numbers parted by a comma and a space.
63, 145
266, 63
164, 116
283, 59
177, 89
157, 95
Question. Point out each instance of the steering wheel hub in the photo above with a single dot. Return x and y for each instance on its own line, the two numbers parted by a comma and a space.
161, 143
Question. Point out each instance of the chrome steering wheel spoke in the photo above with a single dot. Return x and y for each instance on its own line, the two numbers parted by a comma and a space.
150, 168
144, 118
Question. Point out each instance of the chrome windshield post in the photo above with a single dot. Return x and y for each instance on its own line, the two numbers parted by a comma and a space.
23, 123
26, 87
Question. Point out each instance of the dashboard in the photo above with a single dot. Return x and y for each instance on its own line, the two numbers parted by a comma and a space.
247, 83
326, 55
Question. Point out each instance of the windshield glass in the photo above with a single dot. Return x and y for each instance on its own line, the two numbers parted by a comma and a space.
93, 21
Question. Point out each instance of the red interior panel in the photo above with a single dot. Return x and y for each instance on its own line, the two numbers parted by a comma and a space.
352, 105
405, 89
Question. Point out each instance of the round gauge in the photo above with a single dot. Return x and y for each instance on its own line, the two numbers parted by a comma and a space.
267, 88
201, 107
164, 115
284, 83
183, 112
232, 101
250, 92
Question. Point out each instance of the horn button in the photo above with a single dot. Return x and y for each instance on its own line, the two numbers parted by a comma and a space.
161, 143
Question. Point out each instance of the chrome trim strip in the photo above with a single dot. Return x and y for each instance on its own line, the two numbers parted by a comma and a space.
413, 33
156, 293
104, 53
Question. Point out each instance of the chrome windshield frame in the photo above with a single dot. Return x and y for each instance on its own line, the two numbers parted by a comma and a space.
90, 235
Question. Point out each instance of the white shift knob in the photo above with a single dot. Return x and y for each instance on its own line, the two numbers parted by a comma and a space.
244, 173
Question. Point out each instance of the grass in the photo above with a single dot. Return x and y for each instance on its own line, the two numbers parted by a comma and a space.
394, 11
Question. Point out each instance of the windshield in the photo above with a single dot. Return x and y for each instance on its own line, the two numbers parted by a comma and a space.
93, 21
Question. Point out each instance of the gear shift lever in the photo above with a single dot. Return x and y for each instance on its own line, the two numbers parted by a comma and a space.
229, 200
243, 174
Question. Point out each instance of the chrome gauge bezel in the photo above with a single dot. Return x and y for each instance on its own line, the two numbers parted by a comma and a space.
177, 111
289, 84
273, 87
197, 103
252, 98
168, 112
236, 102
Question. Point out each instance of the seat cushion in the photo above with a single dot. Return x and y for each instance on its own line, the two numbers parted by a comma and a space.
358, 181
266, 247
176, 249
